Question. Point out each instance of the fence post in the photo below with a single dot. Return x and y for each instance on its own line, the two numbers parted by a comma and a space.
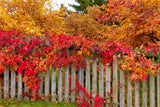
108, 84
67, 80
20, 86
53, 84
94, 76
40, 90
82, 79
26, 98
144, 94
101, 79
13, 84
60, 73
115, 81
129, 92
73, 81
26, 91
88, 75
122, 86
152, 90
136, 94
80, 76
47, 77
6, 84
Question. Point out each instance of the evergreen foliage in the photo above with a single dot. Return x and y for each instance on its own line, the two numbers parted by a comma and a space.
83, 4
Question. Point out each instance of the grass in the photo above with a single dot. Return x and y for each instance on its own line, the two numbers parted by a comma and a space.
11, 103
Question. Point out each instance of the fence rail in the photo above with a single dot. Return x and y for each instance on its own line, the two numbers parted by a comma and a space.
125, 92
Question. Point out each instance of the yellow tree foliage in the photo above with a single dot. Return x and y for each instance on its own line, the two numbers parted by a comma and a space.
32, 17
136, 22
86, 24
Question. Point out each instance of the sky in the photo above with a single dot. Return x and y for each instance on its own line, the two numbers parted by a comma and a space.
57, 4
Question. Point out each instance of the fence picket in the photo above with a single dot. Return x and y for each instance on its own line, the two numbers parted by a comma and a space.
108, 84
26, 98
115, 81
144, 94
94, 76
47, 77
152, 90
158, 89
129, 92
101, 79
67, 83
60, 74
40, 90
80, 79
6, 84
136, 94
73, 81
20, 86
88, 75
122, 86
53, 85
13, 84
60, 84
67, 80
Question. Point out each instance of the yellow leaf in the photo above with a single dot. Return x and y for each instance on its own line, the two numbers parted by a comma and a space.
79, 52
152, 71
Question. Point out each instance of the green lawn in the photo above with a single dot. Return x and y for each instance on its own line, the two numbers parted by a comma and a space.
34, 104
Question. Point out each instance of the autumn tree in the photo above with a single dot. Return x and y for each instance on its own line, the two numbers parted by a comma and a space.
134, 21
86, 24
33, 17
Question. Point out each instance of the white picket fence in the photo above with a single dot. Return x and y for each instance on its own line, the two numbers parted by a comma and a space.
93, 80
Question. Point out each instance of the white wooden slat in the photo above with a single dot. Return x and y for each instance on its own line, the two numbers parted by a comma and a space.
13, 84
60, 84
87, 85
26, 98
47, 77
6, 84
136, 94
20, 86
152, 90
81, 80
60, 73
67, 80
47, 74
129, 92
73, 81
122, 87
26, 90
94, 76
115, 81
101, 79
53, 85
144, 94
40, 90
108, 84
